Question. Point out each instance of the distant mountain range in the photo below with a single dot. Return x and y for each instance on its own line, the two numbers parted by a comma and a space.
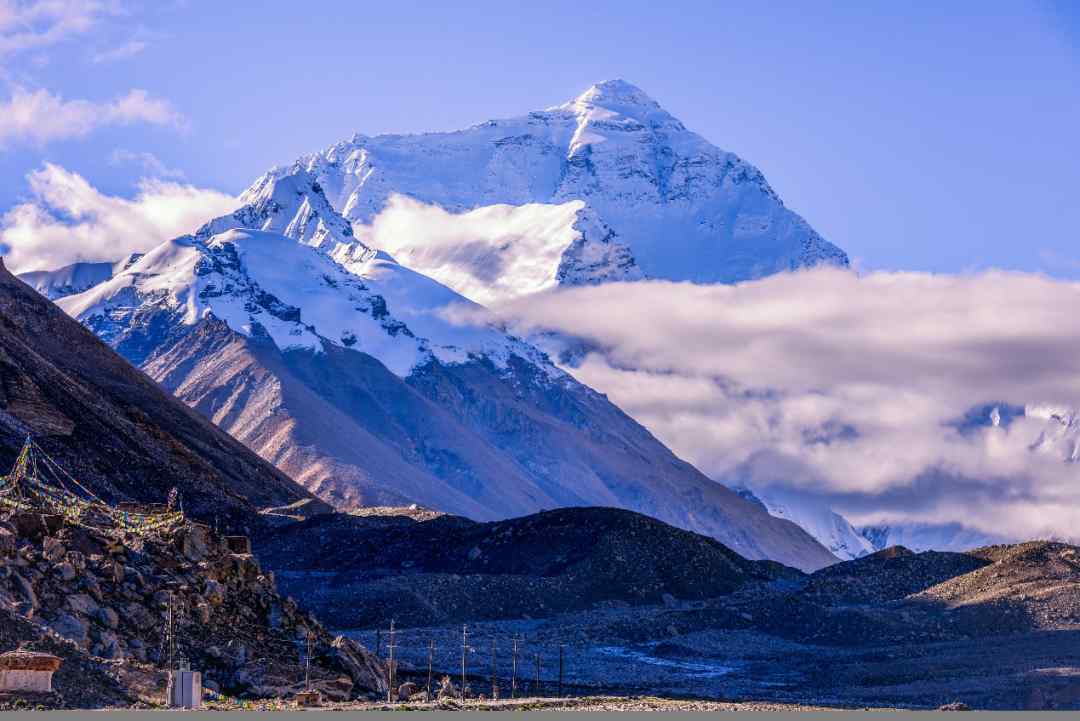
260, 318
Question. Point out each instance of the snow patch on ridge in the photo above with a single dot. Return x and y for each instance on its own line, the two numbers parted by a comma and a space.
266, 284
829, 528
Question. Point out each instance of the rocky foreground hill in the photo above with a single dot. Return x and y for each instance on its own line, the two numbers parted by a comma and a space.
103, 602
101, 598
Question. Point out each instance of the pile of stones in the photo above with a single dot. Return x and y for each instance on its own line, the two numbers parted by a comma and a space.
141, 603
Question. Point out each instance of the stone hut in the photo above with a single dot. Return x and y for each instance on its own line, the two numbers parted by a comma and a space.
27, 671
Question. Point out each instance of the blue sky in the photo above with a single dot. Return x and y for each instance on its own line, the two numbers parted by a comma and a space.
920, 137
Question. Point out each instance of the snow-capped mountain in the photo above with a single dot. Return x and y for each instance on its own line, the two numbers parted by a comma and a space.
293, 205
265, 284
928, 537
74, 278
351, 381
1061, 435
829, 528
608, 186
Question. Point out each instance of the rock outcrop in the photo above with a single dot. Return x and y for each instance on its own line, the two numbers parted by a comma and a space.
113, 613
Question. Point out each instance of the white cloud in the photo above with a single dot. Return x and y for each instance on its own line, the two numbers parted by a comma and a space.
122, 52
39, 116
486, 254
149, 162
32, 24
848, 388
68, 220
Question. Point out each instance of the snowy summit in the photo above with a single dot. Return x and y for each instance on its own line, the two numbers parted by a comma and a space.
608, 186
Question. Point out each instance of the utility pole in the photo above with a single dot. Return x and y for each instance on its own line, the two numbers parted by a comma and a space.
378, 643
513, 669
464, 656
391, 684
430, 655
168, 638
307, 661
494, 680
537, 673
561, 647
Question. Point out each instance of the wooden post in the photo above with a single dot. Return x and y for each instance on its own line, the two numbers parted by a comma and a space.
307, 661
513, 669
391, 684
464, 655
494, 680
430, 655
561, 647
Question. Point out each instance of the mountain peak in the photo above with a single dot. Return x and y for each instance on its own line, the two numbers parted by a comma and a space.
615, 92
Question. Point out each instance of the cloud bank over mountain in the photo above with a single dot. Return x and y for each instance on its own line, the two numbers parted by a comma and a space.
67, 220
874, 393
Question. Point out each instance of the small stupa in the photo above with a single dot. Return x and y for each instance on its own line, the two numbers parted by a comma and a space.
27, 671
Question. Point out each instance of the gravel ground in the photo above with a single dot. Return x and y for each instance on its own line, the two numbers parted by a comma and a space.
660, 652
586, 703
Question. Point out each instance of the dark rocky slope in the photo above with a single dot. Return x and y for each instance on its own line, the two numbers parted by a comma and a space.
896, 596
361, 571
114, 428
100, 601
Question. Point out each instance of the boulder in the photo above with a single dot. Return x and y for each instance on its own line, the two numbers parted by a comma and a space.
70, 628
66, 571
77, 561
337, 689
136, 578
109, 646
195, 543
93, 587
53, 549
82, 604
138, 616
202, 612
36, 525
107, 617
366, 671
7, 543
215, 592
25, 589
447, 689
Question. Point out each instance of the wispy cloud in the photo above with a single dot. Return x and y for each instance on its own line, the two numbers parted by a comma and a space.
68, 220
149, 163
848, 388
122, 52
39, 116
33, 24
